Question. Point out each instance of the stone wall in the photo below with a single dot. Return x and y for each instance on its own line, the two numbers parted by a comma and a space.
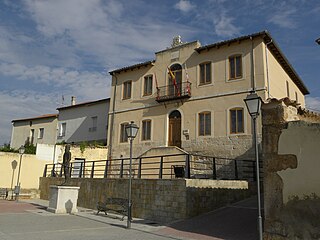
238, 146
290, 153
160, 200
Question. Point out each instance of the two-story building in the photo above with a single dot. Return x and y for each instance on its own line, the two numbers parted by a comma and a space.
191, 96
41, 129
83, 122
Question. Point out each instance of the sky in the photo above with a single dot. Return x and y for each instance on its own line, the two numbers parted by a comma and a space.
51, 50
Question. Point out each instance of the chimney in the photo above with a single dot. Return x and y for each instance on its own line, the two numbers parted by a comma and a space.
73, 100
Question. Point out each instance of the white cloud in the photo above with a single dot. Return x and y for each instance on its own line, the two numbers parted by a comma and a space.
90, 85
99, 31
313, 103
21, 104
224, 27
284, 17
184, 6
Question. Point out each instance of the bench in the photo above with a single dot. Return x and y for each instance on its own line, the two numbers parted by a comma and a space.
116, 205
4, 193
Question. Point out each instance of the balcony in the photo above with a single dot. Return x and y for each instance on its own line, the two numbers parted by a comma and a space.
174, 92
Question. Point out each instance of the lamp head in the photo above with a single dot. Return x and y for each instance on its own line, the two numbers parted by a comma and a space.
131, 130
253, 103
21, 149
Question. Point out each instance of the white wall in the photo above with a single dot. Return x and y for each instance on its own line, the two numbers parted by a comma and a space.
78, 121
301, 139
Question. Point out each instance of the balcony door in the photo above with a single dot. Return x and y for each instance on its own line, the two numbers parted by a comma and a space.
175, 87
175, 129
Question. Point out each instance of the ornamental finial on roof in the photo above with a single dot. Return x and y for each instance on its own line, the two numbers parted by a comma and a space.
176, 41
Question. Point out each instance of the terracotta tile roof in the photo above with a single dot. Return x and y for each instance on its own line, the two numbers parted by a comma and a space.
84, 104
38, 117
274, 49
139, 65
272, 46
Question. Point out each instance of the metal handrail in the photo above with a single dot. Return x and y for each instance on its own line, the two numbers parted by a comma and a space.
174, 91
196, 166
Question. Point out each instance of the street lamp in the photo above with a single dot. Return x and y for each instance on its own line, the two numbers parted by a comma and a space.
253, 103
318, 41
17, 188
131, 131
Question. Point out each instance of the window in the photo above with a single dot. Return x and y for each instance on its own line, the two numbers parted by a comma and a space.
147, 90
146, 130
204, 123
205, 73
127, 89
288, 89
123, 134
297, 99
62, 130
236, 120
41, 133
94, 121
235, 67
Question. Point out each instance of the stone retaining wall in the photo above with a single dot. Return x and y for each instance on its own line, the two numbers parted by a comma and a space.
160, 200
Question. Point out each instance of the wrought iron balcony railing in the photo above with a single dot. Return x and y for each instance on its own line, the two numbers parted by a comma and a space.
174, 92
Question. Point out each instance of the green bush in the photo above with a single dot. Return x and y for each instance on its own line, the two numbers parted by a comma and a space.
6, 148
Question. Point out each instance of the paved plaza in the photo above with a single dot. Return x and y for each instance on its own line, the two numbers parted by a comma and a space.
29, 220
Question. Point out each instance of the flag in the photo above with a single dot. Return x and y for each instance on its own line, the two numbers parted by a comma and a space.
158, 89
173, 77
187, 78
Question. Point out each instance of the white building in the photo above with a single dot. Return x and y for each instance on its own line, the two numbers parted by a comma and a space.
83, 122
41, 129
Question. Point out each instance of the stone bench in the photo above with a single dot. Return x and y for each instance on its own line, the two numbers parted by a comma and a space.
116, 205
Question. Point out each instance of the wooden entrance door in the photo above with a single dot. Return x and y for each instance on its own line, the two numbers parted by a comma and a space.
175, 129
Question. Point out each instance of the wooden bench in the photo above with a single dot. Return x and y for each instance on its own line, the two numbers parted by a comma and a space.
4, 193
116, 205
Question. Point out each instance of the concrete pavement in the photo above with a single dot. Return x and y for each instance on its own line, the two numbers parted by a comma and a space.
28, 220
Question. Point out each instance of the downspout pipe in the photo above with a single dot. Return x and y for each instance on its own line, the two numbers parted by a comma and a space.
253, 84
112, 116
267, 68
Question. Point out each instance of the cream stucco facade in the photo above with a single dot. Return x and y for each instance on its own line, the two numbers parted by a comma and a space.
209, 111
42, 129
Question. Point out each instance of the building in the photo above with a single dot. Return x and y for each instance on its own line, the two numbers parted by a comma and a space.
41, 129
83, 122
191, 96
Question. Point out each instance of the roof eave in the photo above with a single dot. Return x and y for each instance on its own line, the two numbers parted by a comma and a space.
139, 65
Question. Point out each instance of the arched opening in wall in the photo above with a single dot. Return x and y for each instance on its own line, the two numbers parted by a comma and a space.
175, 129
175, 81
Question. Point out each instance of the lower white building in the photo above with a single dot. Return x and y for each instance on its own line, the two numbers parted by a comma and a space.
83, 122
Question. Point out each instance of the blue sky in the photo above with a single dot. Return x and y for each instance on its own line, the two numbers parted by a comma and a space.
55, 48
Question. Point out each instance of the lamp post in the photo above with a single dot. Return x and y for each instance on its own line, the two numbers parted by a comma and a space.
253, 103
131, 131
17, 188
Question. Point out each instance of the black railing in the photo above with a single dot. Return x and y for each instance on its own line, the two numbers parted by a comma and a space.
161, 167
174, 91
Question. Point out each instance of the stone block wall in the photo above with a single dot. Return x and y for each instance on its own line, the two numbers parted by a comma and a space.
290, 154
160, 200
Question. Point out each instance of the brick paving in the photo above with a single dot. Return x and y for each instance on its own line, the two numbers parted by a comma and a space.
28, 220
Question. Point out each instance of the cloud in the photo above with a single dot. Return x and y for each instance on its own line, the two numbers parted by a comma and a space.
98, 31
89, 84
21, 104
184, 6
313, 103
283, 17
224, 27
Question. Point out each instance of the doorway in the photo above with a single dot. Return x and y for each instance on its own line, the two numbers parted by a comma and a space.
175, 129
